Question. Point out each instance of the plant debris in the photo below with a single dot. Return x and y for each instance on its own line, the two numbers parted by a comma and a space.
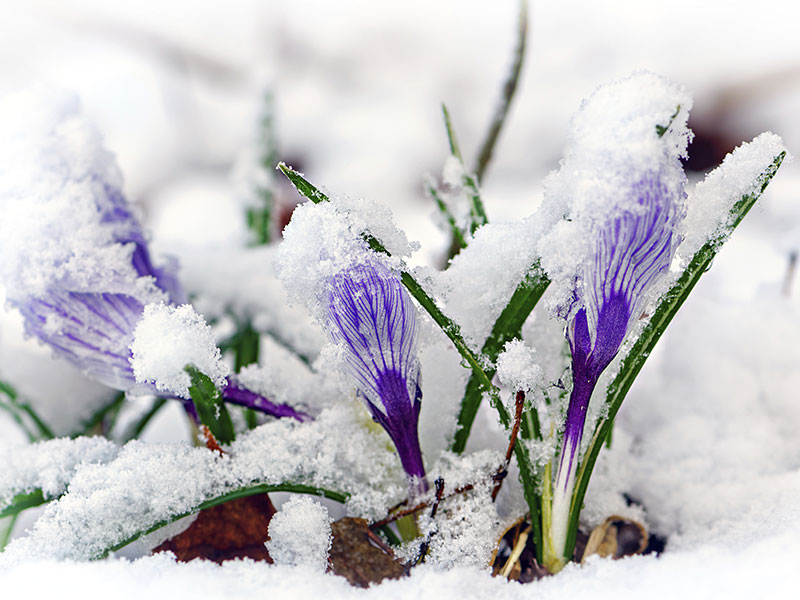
236, 529
360, 556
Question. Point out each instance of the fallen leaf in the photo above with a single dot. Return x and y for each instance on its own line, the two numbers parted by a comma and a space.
236, 529
355, 554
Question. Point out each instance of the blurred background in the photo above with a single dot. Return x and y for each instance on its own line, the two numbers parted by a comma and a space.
178, 90
177, 87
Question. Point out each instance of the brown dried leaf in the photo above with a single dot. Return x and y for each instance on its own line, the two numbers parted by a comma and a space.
617, 537
236, 529
356, 556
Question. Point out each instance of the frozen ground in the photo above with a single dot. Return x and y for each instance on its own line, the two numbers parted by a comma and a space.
707, 439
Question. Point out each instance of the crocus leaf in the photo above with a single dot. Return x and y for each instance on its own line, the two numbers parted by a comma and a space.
209, 406
477, 213
20, 411
259, 218
455, 231
22, 502
507, 94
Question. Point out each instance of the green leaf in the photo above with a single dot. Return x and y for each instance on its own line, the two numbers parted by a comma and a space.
507, 95
22, 502
455, 231
301, 184
265, 488
209, 406
21, 412
259, 219
6, 529
507, 327
662, 129
477, 213
136, 429
102, 421
636, 357
245, 345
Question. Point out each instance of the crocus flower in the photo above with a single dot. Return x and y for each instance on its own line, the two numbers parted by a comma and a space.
75, 260
372, 316
628, 187
632, 250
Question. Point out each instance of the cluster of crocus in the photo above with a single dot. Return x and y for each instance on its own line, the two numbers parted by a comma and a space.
373, 318
85, 275
632, 235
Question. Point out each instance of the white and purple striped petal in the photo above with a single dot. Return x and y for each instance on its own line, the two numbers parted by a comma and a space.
372, 316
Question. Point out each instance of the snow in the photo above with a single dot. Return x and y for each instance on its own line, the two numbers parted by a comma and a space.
300, 534
169, 338
517, 368
149, 483
50, 465
712, 199
57, 192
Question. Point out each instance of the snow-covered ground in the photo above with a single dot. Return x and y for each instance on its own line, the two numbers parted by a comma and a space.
707, 439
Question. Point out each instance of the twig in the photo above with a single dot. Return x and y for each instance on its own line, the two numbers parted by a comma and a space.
498, 477
410, 511
509, 87
380, 543
503, 472
423, 547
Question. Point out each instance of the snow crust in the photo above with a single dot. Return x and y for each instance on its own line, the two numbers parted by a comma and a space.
300, 534
166, 340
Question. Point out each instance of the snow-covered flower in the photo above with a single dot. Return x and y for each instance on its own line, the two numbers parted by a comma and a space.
373, 318
627, 186
73, 256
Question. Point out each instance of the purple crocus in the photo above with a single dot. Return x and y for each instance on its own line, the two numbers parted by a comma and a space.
622, 186
73, 256
632, 249
372, 316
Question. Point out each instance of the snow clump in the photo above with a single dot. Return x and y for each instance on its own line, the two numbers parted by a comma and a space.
516, 367
168, 338
300, 534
